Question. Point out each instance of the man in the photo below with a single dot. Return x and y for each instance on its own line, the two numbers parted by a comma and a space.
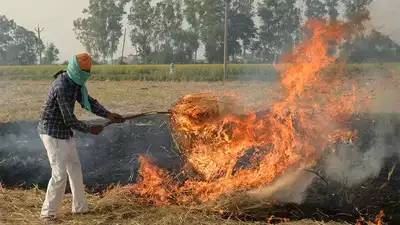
55, 129
172, 67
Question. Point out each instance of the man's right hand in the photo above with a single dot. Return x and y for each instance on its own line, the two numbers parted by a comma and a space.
96, 130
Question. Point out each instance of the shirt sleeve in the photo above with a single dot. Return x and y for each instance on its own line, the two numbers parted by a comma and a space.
67, 111
96, 107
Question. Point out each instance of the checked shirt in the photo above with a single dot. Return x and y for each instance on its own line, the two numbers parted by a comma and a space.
57, 117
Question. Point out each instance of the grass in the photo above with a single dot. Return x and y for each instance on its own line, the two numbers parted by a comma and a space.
22, 100
23, 207
187, 72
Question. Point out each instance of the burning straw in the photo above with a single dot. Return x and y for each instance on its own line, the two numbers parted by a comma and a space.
214, 133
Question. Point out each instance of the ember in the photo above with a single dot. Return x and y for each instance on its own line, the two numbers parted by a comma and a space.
361, 221
214, 132
275, 220
378, 219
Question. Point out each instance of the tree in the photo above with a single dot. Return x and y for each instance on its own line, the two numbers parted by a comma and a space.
170, 34
243, 27
6, 36
185, 46
357, 12
280, 26
101, 30
18, 46
191, 41
86, 36
332, 9
374, 47
255, 48
316, 9
141, 19
22, 50
211, 14
193, 19
51, 54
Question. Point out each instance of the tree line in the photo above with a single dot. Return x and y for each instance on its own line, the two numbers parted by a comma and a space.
174, 31
20, 46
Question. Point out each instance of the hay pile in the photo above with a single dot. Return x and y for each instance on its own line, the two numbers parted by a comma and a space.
193, 111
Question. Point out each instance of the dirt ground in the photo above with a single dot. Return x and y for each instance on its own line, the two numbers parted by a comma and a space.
21, 100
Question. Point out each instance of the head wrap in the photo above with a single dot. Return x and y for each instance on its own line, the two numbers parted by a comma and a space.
76, 72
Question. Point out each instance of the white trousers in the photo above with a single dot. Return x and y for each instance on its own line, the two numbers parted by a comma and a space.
65, 163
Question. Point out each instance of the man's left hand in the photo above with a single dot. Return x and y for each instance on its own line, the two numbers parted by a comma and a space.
116, 118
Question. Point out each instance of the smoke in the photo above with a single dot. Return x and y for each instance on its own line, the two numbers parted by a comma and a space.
291, 187
352, 166
21, 154
378, 139
349, 164
108, 158
382, 17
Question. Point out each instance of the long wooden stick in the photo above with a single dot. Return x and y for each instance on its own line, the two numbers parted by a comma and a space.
130, 117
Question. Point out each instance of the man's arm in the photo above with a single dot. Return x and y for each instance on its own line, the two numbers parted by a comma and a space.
96, 107
100, 110
66, 107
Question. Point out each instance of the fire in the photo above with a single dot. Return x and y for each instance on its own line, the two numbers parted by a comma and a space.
378, 220
361, 221
214, 132
379, 217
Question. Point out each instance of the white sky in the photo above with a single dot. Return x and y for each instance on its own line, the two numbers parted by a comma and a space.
56, 17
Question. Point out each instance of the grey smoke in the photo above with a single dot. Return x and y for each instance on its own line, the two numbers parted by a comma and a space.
352, 166
291, 187
111, 157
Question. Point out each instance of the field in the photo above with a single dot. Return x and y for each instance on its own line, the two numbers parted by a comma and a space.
149, 72
22, 99
196, 72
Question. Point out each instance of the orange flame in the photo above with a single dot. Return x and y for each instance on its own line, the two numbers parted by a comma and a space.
361, 221
214, 132
379, 217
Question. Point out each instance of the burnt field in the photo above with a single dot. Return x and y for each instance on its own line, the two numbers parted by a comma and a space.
334, 194
357, 180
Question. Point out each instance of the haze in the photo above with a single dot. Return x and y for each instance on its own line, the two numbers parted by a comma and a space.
56, 18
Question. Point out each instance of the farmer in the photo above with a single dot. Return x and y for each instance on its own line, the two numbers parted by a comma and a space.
172, 67
55, 127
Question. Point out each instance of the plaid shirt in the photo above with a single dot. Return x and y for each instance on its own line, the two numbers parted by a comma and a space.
57, 117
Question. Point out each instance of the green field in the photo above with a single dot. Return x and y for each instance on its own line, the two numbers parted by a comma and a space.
194, 72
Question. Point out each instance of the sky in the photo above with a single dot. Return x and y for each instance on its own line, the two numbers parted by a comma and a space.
56, 17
